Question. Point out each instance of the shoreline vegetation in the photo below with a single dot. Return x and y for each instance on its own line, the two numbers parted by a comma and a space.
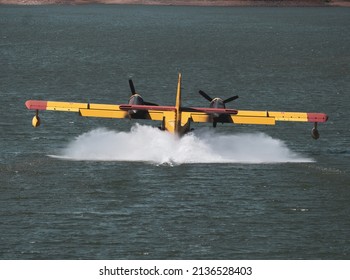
222, 3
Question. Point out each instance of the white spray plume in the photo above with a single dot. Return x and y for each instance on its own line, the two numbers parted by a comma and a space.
149, 144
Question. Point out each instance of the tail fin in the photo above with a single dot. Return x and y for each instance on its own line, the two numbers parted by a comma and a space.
178, 106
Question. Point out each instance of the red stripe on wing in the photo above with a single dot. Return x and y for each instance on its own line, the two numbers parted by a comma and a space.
317, 117
127, 107
211, 110
36, 105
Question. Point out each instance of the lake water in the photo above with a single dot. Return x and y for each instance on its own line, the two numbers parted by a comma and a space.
78, 188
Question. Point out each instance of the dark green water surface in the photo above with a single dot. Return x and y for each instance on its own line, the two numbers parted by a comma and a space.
78, 188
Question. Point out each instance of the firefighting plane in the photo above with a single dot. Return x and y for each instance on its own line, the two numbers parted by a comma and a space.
176, 119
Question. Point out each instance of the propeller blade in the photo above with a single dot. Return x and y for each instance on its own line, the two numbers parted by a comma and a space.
206, 96
132, 88
230, 99
150, 104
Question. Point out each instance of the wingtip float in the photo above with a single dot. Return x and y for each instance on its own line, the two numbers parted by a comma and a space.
176, 119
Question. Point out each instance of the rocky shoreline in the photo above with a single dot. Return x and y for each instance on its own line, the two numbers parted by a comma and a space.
237, 3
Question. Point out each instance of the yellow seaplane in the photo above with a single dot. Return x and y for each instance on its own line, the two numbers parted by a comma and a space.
176, 119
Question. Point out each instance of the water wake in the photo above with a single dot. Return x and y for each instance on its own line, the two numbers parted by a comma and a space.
148, 144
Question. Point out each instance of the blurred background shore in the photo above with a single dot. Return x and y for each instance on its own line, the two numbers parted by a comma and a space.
303, 3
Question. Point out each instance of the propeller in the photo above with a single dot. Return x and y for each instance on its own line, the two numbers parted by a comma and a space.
207, 97
230, 99
132, 88
133, 91
217, 103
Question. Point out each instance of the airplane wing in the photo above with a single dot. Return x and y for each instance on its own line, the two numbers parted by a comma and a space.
84, 109
251, 117
99, 110
175, 119
281, 116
